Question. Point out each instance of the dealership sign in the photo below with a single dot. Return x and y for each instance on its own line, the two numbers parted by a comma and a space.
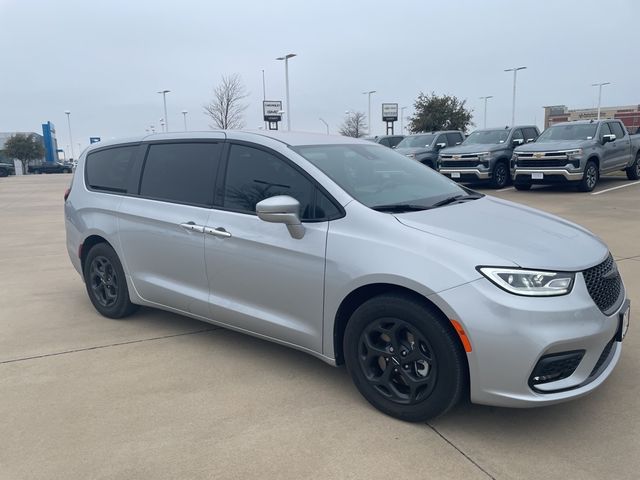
389, 112
272, 110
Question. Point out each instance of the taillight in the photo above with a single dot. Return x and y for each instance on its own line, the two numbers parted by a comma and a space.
66, 193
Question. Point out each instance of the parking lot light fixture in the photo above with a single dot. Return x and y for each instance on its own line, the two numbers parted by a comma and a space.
369, 114
68, 114
286, 81
325, 124
485, 108
164, 100
600, 85
513, 104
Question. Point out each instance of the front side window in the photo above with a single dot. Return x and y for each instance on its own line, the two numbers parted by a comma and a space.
377, 176
616, 129
517, 135
487, 137
530, 134
109, 169
605, 130
254, 175
181, 172
454, 139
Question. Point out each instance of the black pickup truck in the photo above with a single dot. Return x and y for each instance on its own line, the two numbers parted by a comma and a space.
7, 169
51, 167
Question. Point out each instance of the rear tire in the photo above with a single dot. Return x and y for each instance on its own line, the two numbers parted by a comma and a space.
500, 176
404, 358
106, 283
633, 172
4, 172
590, 177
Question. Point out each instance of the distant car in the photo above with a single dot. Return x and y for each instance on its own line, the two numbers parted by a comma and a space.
51, 167
424, 147
390, 141
7, 169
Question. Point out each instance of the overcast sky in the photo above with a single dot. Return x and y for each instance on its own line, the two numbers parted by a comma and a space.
105, 61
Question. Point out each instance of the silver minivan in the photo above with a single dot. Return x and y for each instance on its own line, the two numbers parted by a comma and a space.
427, 291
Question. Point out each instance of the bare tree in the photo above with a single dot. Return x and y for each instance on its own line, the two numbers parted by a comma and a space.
354, 125
226, 109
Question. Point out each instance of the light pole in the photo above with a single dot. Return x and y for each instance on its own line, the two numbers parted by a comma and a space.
164, 100
286, 80
485, 109
513, 105
184, 115
600, 85
369, 115
402, 109
162, 124
325, 124
68, 114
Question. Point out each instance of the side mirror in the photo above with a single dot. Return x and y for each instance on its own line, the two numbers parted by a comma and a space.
282, 209
531, 140
394, 146
608, 138
517, 142
441, 145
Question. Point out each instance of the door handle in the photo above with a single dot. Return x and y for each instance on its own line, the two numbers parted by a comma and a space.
218, 232
192, 227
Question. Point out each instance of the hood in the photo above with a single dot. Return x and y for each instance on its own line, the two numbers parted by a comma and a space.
522, 235
554, 145
414, 150
475, 148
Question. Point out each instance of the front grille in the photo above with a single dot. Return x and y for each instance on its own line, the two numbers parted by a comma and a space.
459, 163
603, 357
541, 163
541, 155
604, 284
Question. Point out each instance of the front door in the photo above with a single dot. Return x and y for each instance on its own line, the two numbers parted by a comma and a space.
162, 228
261, 279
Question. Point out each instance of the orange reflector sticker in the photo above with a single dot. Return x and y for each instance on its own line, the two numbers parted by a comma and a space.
463, 336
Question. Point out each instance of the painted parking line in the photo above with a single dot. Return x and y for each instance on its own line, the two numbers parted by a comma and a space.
505, 189
616, 188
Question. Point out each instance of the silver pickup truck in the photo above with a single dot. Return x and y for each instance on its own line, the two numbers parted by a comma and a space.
577, 152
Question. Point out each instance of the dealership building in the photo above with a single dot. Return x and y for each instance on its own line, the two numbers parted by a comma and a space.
629, 115
47, 138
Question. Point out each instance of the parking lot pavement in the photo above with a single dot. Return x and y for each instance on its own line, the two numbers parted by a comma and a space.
161, 396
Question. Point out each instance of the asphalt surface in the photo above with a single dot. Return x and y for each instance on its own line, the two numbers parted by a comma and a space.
159, 396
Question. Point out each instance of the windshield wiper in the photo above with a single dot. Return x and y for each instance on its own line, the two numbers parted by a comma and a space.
457, 198
399, 207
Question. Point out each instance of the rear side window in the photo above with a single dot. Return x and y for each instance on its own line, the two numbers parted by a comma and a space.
616, 129
109, 169
181, 172
454, 139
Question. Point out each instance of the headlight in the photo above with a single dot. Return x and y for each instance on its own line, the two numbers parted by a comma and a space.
484, 156
532, 283
573, 154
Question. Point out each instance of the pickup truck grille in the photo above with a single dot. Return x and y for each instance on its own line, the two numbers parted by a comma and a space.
604, 284
459, 163
541, 163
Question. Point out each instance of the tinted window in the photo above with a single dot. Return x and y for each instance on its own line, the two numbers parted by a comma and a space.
393, 141
441, 139
109, 169
616, 129
604, 129
254, 174
454, 139
385, 142
517, 135
181, 172
530, 133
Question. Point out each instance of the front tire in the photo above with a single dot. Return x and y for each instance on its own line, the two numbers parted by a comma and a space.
403, 358
500, 175
106, 282
590, 177
633, 172
4, 172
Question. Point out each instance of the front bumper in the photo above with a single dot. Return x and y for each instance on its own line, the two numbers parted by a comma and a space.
550, 175
509, 334
466, 174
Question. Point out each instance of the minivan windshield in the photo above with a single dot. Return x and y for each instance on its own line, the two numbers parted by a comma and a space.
577, 131
379, 177
414, 141
487, 137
